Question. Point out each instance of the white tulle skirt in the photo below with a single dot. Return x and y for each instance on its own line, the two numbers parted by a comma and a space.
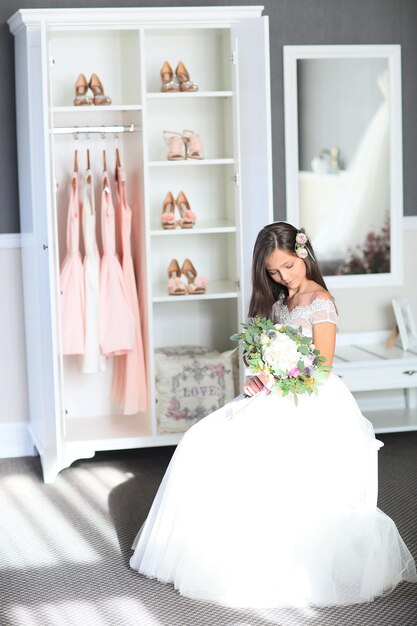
266, 504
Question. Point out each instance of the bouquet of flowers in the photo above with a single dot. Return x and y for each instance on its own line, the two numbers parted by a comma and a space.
287, 357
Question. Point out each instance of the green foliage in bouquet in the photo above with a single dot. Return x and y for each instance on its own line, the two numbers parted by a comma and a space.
284, 354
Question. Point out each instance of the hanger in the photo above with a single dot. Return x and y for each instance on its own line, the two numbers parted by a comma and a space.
105, 177
88, 166
118, 164
74, 181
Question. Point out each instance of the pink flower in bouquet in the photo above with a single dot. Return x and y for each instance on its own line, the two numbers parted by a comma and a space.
294, 372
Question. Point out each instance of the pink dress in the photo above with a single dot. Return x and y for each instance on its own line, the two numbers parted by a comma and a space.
72, 280
129, 384
116, 321
93, 360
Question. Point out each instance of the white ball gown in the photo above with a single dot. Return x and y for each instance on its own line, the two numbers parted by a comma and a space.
265, 504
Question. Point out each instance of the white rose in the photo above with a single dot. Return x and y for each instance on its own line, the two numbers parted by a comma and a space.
282, 352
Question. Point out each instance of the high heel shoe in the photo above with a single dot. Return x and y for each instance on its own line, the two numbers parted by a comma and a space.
183, 77
81, 88
188, 217
196, 285
97, 88
176, 145
175, 285
168, 207
169, 82
194, 149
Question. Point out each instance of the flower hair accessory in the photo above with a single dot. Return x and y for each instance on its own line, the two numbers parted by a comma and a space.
300, 244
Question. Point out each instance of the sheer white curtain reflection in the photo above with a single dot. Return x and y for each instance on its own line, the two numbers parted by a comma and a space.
363, 202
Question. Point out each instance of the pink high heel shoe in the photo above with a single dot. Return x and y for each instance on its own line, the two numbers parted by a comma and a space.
168, 220
188, 217
196, 285
175, 285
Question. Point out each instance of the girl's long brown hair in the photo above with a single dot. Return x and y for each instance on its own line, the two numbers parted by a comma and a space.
265, 291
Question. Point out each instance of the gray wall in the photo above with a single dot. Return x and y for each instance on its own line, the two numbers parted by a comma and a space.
291, 22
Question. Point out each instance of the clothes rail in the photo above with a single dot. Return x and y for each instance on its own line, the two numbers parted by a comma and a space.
86, 130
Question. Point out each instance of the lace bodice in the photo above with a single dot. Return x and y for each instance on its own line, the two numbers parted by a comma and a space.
319, 310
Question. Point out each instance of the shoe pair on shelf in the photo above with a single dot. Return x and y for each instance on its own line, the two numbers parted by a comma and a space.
81, 88
176, 287
178, 82
187, 217
185, 145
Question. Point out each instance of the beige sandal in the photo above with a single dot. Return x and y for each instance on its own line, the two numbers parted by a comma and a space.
100, 98
176, 145
193, 144
183, 78
81, 88
169, 82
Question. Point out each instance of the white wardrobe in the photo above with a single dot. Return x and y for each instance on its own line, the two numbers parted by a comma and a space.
226, 51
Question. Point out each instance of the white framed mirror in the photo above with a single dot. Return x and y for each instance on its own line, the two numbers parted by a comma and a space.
343, 158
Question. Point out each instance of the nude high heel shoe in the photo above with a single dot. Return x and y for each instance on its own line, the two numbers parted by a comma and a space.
168, 220
169, 82
97, 88
193, 145
81, 88
176, 145
196, 285
188, 217
175, 285
185, 84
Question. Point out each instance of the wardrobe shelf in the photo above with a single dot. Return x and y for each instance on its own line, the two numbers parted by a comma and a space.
187, 95
216, 290
203, 229
97, 109
90, 427
190, 162
119, 432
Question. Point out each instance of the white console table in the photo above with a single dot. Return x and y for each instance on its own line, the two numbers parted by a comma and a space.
364, 364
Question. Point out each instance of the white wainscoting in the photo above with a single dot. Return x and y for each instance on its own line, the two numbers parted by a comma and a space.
15, 440
12, 240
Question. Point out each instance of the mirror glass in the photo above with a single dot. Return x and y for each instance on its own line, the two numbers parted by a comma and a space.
342, 138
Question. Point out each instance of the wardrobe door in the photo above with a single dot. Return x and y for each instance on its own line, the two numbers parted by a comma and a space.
250, 44
38, 248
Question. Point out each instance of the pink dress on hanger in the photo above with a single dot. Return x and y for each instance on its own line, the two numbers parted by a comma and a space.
129, 384
116, 321
72, 280
93, 360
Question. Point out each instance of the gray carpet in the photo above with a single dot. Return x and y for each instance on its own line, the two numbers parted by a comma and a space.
65, 548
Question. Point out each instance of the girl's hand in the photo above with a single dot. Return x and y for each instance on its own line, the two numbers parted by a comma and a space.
255, 384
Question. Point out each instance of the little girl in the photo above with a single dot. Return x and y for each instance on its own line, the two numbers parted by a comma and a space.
268, 504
